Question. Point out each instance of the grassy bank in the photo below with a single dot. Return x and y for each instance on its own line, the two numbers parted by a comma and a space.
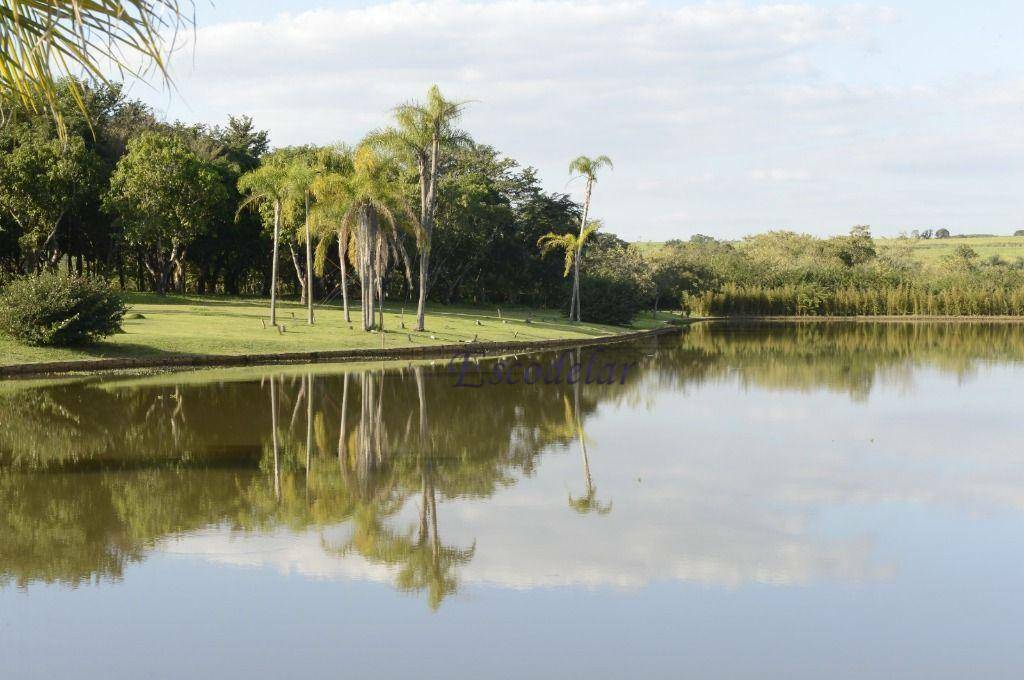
192, 324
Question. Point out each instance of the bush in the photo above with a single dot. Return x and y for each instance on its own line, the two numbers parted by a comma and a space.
614, 301
58, 309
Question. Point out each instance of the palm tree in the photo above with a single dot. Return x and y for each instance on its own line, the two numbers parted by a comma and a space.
586, 168
302, 172
425, 136
45, 42
327, 217
572, 245
268, 184
365, 193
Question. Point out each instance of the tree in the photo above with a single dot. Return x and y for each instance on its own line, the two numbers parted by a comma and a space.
368, 192
164, 196
42, 179
45, 41
424, 135
942, 233
302, 173
328, 215
269, 185
570, 245
586, 168
233, 249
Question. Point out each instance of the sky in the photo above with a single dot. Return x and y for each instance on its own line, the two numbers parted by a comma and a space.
723, 118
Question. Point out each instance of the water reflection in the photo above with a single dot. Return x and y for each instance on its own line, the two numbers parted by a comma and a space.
394, 474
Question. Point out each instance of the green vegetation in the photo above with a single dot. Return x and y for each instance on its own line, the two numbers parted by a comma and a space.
59, 310
785, 273
187, 324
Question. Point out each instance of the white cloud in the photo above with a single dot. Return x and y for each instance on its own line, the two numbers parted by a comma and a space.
671, 93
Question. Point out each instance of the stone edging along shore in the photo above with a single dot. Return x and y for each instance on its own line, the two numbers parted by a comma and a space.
212, 360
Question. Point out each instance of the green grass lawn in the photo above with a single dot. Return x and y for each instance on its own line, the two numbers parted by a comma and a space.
188, 324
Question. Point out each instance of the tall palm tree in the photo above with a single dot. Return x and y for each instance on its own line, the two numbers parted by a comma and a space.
572, 245
586, 168
424, 135
45, 42
364, 195
302, 172
269, 184
327, 216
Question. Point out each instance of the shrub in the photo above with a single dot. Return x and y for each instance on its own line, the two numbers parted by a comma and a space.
610, 300
58, 309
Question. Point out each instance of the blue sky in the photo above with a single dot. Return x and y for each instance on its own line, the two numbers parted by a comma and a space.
724, 118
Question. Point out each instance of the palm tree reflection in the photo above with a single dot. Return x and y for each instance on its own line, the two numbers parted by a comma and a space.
588, 502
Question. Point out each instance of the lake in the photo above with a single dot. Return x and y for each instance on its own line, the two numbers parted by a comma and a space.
802, 500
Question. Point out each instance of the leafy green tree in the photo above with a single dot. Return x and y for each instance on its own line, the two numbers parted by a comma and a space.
587, 168
425, 136
231, 250
42, 180
165, 196
620, 275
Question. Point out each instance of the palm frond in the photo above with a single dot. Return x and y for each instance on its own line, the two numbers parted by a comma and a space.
45, 42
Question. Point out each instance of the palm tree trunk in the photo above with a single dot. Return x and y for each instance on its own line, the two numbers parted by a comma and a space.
300, 277
342, 248
309, 430
273, 265
273, 427
309, 266
421, 307
342, 429
574, 314
368, 228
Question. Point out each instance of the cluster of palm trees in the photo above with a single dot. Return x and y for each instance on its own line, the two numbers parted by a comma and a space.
356, 197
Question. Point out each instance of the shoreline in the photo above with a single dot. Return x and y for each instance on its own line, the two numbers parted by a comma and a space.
97, 366
906, 318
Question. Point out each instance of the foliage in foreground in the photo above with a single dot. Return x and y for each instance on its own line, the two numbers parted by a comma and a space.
56, 309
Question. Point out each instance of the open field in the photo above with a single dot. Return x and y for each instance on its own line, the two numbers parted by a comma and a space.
190, 324
927, 251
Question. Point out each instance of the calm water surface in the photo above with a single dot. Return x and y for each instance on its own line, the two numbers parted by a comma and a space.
791, 501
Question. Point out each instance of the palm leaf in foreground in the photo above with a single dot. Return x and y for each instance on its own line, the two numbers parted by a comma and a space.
43, 42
